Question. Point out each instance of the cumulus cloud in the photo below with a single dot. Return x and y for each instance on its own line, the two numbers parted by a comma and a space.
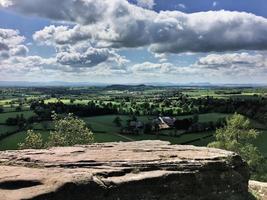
11, 44
89, 58
82, 11
61, 35
148, 67
233, 65
119, 24
146, 3
100, 27
228, 60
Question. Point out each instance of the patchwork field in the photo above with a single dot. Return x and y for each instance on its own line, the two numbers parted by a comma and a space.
5, 116
106, 131
128, 102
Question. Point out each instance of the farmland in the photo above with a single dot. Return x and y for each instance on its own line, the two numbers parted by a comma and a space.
24, 109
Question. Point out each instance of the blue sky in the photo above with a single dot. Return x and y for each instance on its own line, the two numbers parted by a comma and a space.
178, 41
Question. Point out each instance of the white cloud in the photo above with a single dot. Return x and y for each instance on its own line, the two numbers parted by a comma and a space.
162, 57
180, 5
233, 64
146, 3
148, 67
69, 59
221, 66
61, 35
11, 44
75, 47
98, 28
5, 3
119, 24
89, 58
232, 59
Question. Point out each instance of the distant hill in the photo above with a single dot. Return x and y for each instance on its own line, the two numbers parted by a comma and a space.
129, 87
107, 86
47, 84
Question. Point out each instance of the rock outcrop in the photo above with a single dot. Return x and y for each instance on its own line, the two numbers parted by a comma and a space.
146, 170
259, 189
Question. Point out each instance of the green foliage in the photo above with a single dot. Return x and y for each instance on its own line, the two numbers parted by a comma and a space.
33, 141
69, 131
117, 121
237, 136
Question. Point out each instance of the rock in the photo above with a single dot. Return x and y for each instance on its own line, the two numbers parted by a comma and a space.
259, 189
145, 170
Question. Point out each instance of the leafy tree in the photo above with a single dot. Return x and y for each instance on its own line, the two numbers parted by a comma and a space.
117, 121
237, 136
32, 141
69, 131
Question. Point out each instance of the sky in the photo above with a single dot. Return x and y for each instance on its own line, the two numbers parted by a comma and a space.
134, 41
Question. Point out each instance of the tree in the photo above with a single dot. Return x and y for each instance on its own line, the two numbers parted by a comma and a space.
117, 121
32, 141
69, 131
237, 136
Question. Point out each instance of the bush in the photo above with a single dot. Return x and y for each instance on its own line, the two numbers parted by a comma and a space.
33, 141
237, 136
69, 131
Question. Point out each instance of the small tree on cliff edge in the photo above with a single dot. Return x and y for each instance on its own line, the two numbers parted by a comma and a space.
69, 131
236, 136
32, 141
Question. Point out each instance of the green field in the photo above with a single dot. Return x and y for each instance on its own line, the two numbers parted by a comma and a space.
7, 129
105, 123
11, 142
260, 142
105, 130
5, 116
208, 117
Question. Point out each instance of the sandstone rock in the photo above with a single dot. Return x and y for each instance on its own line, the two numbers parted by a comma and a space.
259, 189
146, 170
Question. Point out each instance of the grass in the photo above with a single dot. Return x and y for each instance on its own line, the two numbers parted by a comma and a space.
207, 117
105, 123
11, 142
7, 129
173, 140
5, 116
260, 142
108, 137
43, 125
106, 131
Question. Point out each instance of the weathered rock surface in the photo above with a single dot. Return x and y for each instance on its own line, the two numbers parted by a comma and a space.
146, 170
259, 189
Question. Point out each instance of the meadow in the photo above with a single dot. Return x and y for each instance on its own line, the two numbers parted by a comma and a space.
103, 126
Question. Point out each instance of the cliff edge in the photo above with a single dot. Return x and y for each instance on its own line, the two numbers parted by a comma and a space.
145, 170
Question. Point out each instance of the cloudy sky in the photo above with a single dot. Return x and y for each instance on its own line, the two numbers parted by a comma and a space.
134, 41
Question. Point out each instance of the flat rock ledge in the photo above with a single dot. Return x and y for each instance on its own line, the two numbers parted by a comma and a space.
145, 170
259, 189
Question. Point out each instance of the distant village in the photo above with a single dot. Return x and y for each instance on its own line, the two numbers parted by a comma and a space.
187, 125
